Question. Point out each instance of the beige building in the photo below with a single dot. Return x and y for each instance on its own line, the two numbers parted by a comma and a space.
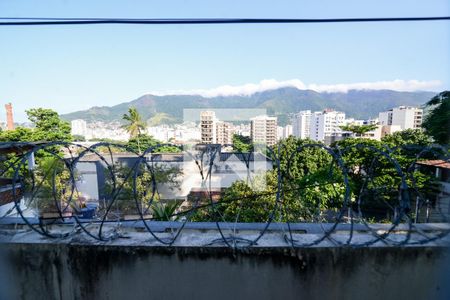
263, 130
208, 122
224, 133
389, 129
214, 131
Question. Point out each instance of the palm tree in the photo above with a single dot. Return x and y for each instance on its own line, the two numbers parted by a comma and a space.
134, 125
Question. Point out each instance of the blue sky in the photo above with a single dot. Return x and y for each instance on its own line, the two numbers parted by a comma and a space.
76, 67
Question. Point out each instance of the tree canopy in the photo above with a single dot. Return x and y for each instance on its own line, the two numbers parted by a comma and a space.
437, 122
359, 130
134, 126
134, 123
407, 137
145, 141
308, 188
242, 143
312, 182
47, 127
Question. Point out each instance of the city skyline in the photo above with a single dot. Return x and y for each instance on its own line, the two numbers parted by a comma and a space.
74, 68
268, 85
327, 125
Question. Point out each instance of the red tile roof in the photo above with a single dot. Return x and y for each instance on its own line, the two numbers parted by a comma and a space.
438, 163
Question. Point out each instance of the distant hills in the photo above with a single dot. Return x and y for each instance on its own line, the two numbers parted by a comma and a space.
282, 102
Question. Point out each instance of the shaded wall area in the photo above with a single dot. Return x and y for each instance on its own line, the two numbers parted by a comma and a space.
77, 271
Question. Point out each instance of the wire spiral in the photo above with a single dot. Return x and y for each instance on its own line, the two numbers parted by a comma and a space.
337, 192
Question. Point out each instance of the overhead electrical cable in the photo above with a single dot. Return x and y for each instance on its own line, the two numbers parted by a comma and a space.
31, 21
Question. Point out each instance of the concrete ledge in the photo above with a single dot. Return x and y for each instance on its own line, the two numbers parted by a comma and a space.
239, 235
79, 271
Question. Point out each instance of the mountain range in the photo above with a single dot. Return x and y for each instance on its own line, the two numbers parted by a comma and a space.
282, 102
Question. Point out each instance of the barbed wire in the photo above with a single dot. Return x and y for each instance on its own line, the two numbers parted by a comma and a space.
329, 190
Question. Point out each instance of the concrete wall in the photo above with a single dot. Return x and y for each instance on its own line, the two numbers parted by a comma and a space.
79, 271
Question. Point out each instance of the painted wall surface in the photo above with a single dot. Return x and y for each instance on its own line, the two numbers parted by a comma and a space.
71, 271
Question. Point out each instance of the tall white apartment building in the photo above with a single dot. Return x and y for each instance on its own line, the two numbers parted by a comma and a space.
406, 117
284, 132
301, 124
208, 123
325, 125
263, 129
287, 131
78, 127
280, 130
385, 118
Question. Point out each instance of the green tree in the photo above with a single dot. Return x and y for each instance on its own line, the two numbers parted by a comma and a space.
312, 182
437, 122
296, 158
48, 125
138, 184
373, 177
359, 130
79, 138
20, 134
144, 141
134, 125
311, 187
242, 143
52, 189
407, 137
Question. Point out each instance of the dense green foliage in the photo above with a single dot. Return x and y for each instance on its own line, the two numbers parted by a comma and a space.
375, 179
414, 137
358, 130
437, 122
143, 141
47, 127
20, 134
136, 190
312, 182
242, 143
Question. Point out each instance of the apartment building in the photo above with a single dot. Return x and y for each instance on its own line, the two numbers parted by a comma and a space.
325, 125
214, 131
78, 127
263, 130
208, 123
224, 133
406, 117
301, 124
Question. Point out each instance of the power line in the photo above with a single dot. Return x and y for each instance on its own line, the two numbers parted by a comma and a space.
26, 21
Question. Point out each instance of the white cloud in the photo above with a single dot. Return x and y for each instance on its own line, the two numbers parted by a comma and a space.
272, 84
396, 85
